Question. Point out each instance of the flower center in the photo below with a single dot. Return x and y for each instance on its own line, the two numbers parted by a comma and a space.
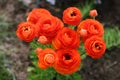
49, 58
67, 57
73, 14
97, 46
26, 29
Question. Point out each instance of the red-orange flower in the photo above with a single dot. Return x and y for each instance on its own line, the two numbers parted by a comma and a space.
46, 58
66, 38
68, 61
95, 46
37, 13
72, 16
91, 27
49, 26
26, 31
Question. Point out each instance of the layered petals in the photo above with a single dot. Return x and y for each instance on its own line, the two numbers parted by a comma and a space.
26, 31
49, 26
95, 47
92, 27
68, 61
36, 14
66, 38
72, 16
46, 57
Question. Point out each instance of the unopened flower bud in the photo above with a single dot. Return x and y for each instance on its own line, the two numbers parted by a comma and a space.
42, 39
93, 13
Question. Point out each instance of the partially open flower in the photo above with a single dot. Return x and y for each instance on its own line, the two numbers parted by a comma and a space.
68, 61
26, 31
95, 47
46, 58
72, 16
92, 27
66, 38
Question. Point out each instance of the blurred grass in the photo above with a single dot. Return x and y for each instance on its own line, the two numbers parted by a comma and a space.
4, 71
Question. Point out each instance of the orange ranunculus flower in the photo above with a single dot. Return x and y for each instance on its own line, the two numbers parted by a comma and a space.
95, 47
26, 31
66, 38
37, 13
72, 16
46, 58
49, 26
90, 27
67, 61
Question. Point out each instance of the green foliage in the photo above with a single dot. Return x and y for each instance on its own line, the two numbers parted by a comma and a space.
85, 8
112, 37
4, 73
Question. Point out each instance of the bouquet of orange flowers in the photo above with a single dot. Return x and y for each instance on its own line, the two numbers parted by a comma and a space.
64, 56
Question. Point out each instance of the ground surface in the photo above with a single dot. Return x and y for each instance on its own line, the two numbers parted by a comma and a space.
13, 12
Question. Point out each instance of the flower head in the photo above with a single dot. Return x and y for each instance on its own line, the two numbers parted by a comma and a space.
46, 58
95, 47
66, 38
26, 31
72, 16
68, 61
91, 27
49, 26
36, 14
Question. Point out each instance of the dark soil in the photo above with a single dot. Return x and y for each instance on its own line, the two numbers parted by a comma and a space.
105, 68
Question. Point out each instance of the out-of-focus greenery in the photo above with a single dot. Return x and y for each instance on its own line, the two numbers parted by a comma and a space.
85, 8
4, 73
112, 37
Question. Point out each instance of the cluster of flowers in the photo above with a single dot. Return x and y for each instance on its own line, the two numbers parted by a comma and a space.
48, 29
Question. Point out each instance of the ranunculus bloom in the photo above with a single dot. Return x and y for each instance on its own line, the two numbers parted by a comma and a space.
68, 61
95, 47
26, 31
92, 27
46, 58
66, 38
72, 16
37, 13
93, 13
49, 26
